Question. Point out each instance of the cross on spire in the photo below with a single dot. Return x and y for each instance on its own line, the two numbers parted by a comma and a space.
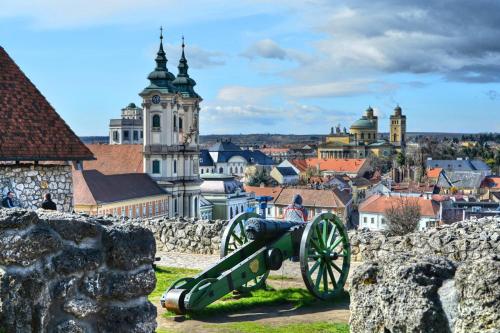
161, 32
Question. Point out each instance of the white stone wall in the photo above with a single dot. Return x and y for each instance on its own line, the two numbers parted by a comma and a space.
30, 182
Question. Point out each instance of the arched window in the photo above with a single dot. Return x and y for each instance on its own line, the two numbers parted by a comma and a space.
221, 170
241, 169
231, 170
156, 121
201, 171
395, 136
362, 136
175, 166
175, 123
116, 136
156, 167
180, 124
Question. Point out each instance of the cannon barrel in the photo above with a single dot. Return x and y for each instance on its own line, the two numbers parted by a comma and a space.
261, 229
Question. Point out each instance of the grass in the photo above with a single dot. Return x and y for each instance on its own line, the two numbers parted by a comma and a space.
165, 276
248, 327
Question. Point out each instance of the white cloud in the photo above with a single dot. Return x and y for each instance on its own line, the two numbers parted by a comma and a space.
196, 56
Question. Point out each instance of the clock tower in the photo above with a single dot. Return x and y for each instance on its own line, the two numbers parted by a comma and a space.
397, 128
170, 119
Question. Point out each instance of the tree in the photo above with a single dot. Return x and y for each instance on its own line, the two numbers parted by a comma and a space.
403, 216
400, 159
259, 177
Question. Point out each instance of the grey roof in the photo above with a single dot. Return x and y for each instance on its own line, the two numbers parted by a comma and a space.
205, 158
458, 165
223, 156
287, 171
460, 179
363, 122
214, 183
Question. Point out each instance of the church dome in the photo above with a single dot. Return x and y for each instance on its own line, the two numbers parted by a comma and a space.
363, 123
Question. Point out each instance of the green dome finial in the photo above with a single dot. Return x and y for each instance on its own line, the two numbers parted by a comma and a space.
183, 82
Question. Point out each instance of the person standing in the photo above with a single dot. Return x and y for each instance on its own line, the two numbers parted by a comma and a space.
48, 203
295, 211
8, 201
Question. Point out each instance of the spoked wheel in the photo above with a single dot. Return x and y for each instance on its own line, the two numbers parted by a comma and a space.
235, 237
325, 256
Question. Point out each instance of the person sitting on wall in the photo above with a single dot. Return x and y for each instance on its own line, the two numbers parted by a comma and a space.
8, 201
295, 211
48, 203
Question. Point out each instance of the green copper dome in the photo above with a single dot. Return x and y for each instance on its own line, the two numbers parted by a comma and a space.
363, 123
160, 77
183, 83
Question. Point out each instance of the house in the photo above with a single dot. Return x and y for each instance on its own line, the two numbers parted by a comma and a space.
462, 182
352, 167
285, 175
372, 211
264, 191
315, 201
37, 148
277, 154
224, 157
226, 194
459, 165
490, 188
134, 195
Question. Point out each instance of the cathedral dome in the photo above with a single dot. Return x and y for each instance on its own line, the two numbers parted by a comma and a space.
363, 123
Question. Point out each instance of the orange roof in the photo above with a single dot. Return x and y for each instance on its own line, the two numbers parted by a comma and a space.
314, 198
380, 203
350, 165
264, 191
491, 182
274, 150
434, 172
115, 159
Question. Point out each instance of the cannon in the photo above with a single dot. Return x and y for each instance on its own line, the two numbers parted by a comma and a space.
251, 247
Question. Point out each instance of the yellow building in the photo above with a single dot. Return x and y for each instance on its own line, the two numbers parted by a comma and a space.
397, 127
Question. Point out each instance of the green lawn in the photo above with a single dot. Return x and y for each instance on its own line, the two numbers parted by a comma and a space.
165, 276
248, 327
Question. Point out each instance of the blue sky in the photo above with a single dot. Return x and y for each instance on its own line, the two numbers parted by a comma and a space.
267, 66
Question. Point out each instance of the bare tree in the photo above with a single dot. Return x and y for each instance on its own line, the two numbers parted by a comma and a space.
403, 216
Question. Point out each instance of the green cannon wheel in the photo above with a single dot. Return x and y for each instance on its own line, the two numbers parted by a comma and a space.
235, 237
325, 256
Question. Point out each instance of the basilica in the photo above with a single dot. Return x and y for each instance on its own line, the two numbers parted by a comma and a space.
363, 140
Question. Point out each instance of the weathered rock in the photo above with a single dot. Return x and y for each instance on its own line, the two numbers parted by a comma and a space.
69, 326
73, 260
478, 290
16, 218
399, 294
138, 319
128, 246
77, 230
24, 248
122, 286
81, 307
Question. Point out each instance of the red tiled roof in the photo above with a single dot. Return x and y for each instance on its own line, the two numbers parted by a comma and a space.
491, 182
264, 191
348, 165
380, 203
115, 159
30, 128
92, 187
314, 198
434, 172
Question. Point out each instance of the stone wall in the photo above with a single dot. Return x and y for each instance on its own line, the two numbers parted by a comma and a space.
69, 273
31, 182
458, 241
440, 280
185, 235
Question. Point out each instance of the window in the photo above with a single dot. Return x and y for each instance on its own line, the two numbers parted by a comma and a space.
142, 134
201, 171
362, 136
175, 205
195, 206
241, 169
175, 166
116, 136
150, 209
156, 121
230, 212
231, 170
136, 135
268, 211
137, 211
180, 124
364, 220
157, 209
144, 210
156, 167
130, 211
175, 123
125, 135
372, 220
115, 211
221, 170
383, 221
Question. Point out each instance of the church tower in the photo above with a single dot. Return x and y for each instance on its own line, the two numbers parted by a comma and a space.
170, 118
398, 128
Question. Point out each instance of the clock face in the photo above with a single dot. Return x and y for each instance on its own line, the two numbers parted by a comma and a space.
155, 99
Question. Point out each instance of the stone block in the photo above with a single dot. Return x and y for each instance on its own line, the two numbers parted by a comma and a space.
17, 218
73, 260
136, 319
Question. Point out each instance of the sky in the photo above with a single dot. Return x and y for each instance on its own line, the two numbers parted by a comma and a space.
291, 67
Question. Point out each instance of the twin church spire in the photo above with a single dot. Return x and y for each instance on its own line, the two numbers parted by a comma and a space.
163, 80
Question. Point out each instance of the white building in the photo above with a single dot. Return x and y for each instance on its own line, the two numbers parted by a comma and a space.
372, 211
128, 129
170, 122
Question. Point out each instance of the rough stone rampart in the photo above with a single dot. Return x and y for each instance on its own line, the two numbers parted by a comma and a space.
31, 182
70, 273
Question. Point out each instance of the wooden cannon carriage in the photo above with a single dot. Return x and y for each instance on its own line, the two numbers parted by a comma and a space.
251, 247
